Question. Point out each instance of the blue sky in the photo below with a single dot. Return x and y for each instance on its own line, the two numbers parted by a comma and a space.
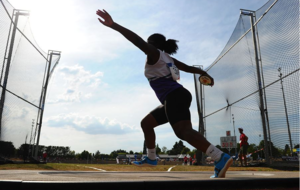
98, 93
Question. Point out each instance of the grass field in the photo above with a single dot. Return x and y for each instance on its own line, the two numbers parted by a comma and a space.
131, 168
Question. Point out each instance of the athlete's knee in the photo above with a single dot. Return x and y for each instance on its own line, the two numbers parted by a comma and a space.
183, 133
148, 123
144, 124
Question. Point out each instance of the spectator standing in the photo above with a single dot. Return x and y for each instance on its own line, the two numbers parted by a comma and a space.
45, 156
185, 159
191, 161
243, 147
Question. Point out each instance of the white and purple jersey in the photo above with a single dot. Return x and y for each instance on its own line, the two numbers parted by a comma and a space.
160, 77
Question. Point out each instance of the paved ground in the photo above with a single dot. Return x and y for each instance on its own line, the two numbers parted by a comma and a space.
100, 176
26, 179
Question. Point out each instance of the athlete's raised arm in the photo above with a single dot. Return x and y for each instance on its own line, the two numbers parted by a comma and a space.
189, 69
129, 35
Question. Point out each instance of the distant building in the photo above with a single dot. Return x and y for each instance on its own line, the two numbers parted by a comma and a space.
160, 156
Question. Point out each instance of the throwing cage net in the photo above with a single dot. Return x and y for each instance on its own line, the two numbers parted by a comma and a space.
25, 70
257, 81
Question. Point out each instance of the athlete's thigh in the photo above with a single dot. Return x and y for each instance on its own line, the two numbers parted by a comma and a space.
159, 115
177, 106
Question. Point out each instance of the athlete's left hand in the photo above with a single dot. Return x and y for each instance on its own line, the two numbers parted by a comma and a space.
108, 21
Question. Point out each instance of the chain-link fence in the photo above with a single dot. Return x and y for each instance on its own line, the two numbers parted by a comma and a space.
25, 70
257, 82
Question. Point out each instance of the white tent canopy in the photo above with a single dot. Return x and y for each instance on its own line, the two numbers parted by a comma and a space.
183, 155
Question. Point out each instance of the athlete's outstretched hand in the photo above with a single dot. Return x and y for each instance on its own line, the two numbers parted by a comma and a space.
107, 20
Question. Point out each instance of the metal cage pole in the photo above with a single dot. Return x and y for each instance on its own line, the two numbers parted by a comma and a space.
264, 90
9, 57
234, 133
262, 107
200, 108
43, 100
285, 108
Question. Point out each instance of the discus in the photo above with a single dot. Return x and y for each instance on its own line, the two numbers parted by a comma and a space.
205, 80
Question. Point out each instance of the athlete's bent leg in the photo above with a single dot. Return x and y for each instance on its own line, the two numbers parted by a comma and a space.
184, 131
148, 124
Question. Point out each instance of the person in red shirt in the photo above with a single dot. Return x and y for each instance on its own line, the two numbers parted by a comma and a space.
45, 156
243, 147
191, 161
185, 160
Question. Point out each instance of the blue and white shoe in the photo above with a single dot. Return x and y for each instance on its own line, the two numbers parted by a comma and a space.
222, 166
145, 162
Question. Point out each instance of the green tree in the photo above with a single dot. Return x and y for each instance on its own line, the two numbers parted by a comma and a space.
276, 152
177, 148
164, 149
115, 153
85, 155
131, 152
185, 150
158, 150
287, 150
97, 155
7, 149
71, 154
192, 153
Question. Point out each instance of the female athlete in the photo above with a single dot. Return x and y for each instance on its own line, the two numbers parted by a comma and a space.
175, 99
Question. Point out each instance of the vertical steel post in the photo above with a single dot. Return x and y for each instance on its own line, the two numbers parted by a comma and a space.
264, 90
234, 134
199, 154
262, 109
44, 92
286, 113
47, 77
11, 47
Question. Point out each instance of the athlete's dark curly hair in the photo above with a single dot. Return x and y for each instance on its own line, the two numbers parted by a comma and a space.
158, 40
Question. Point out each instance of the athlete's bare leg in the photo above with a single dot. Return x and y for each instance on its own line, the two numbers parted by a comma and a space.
183, 130
148, 124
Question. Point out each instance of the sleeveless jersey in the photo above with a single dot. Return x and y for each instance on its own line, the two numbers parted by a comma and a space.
160, 78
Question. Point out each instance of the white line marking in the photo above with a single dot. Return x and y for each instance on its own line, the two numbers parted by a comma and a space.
97, 169
93, 168
171, 168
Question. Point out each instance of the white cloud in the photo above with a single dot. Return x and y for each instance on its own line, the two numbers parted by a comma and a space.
90, 124
76, 81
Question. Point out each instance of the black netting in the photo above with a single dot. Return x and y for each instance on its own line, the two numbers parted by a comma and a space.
236, 89
23, 79
26, 77
279, 45
17, 121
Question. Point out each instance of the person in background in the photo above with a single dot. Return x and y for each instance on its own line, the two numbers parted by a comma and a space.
191, 161
243, 147
45, 156
185, 159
